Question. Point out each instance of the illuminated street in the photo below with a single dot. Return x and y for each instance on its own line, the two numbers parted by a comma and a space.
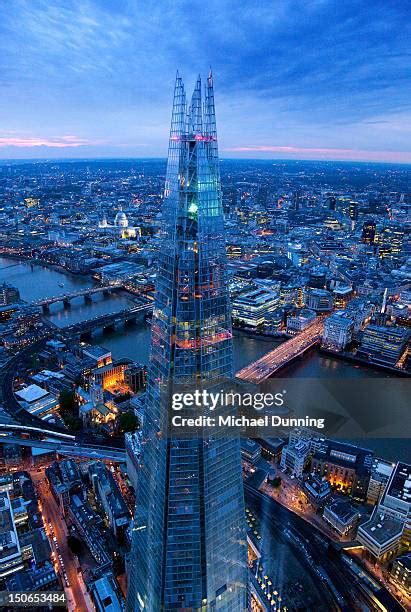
78, 599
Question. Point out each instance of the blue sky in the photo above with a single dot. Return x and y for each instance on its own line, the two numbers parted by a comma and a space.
313, 79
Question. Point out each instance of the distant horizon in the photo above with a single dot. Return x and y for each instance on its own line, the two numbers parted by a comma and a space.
221, 157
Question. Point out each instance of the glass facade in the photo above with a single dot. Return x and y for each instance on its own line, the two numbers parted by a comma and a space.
189, 542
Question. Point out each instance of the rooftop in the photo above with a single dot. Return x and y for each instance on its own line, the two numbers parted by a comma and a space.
31, 393
9, 544
381, 528
97, 352
400, 483
342, 510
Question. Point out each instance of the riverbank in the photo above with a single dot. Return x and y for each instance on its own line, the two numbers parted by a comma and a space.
365, 363
45, 264
260, 336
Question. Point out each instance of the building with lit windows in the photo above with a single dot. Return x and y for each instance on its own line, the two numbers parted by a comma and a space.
100, 355
250, 450
396, 501
133, 456
338, 330
353, 210
346, 467
294, 457
391, 241
8, 294
319, 300
11, 558
369, 230
384, 345
300, 320
401, 572
31, 202
111, 374
380, 473
296, 254
317, 489
190, 507
342, 295
254, 307
380, 536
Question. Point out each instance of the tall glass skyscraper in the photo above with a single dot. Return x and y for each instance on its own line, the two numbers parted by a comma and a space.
189, 542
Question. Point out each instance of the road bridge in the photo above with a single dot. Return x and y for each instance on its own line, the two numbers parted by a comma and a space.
282, 355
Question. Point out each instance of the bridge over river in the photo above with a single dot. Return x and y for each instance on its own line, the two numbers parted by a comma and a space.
66, 298
282, 355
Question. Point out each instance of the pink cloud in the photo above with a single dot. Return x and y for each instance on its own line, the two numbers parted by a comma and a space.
327, 153
56, 143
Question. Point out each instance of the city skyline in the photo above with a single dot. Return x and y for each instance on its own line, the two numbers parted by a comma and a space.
75, 78
205, 367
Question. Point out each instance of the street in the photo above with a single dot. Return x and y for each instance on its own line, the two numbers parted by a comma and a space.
77, 596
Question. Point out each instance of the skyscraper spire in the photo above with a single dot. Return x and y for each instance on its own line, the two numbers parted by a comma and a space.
179, 108
188, 540
196, 111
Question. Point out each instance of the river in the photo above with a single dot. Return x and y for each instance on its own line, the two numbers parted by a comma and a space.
35, 282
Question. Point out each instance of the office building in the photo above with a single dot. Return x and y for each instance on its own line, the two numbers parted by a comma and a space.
369, 230
37, 400
64, 480
135, 377
294, 457
361, 311
190, 507
100, 355
89, 527
254, 307
380, 536
300, 320
317, 278
271, 448
319, 300
110, 498
383, 345
11, 557
391, 242
250, 450
338, 330
8, 294
396, 501
133, 443
106, 594
342, 295
380, 473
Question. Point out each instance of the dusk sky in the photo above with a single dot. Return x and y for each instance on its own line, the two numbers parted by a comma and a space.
294, 79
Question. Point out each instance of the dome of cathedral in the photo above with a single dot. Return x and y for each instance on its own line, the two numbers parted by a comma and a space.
121, 219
